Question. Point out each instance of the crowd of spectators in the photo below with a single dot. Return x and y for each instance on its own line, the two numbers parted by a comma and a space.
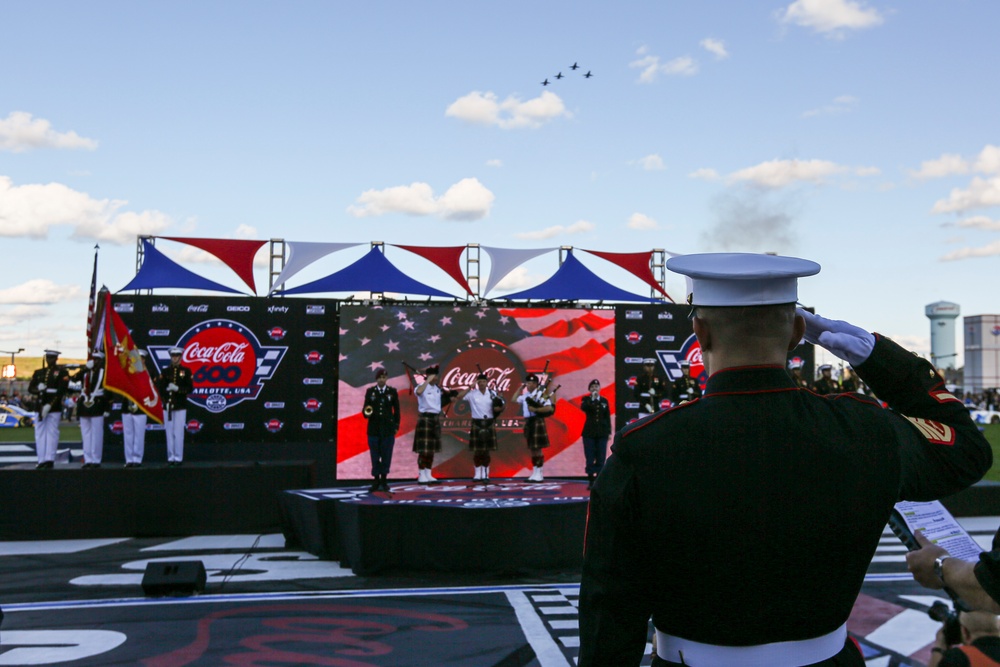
987, 399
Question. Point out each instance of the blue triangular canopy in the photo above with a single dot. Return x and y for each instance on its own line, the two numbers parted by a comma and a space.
574, 282
158, 270
371, 273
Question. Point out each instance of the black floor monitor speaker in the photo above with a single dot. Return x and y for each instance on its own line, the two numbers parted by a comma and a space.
182, 577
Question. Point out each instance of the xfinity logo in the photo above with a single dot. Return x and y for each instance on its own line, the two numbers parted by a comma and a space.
315, 334
277, 309
238, 309
124, 308
161, 308
273, 405
159, 332
312, 380
315, 310
202, 308
312, 425
233, 426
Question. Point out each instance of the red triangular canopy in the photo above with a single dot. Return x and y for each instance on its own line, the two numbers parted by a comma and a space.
636, 263
236, 254
448, 259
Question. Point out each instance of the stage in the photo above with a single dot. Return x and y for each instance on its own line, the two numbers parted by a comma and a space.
504, 526
209, 498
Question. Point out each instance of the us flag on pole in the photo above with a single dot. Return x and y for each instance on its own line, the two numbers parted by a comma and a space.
506, 344
125, 371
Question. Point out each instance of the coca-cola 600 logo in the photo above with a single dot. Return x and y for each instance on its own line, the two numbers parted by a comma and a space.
227, 361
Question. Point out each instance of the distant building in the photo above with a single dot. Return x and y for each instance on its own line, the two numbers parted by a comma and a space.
982, 352
942, 315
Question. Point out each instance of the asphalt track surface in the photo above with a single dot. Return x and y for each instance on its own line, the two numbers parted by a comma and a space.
80, 602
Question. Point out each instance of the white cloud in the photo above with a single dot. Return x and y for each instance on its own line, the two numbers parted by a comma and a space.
779, 173
946, 165
578, 227
991, 250
704, 174
20, 132
465, 201
950, 164
840, 104
652, 68
981, 193
17, 316
494, 163
641, 222
978, 222
513, 113
40, 291
831, 17
716, 47
31, 210
651, 162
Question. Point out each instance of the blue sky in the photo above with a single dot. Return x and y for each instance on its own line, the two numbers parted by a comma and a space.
862, 135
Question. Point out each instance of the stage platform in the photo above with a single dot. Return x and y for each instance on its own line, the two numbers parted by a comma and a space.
197, 498
506, 526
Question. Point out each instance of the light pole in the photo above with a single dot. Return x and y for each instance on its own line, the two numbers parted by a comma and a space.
10, 371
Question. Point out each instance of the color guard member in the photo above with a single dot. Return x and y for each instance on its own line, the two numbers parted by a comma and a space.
91, 408
381, 409
50, 384
175, 383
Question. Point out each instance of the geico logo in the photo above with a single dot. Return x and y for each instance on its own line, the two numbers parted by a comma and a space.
238, 309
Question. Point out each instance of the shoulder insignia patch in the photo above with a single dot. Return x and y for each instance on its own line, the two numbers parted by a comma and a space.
944, 397
935, 432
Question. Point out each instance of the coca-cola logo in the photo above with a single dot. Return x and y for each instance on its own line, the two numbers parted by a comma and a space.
228, 363
274, 425
633, 337
691, 353
503, 370
314, 357
276, 333
312, 404
117, 427
193, 426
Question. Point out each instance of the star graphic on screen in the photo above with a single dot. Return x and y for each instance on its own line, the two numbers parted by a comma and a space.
480, 314
365, 341
433, 339
375, 364
445, 320
472, 333
504, 319
343, 331
401, 315
425, 356
343, 357
384, 328
407, 324
392, 345
360, 319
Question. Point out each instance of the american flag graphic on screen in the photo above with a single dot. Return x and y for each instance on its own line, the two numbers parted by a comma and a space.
505, 343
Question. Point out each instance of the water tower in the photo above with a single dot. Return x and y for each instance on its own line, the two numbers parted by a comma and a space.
942, 315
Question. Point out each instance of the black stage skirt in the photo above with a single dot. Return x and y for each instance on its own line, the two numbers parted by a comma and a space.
535, 433
427, 435
483, 435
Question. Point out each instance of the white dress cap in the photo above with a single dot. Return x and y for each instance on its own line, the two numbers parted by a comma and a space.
176, 350
742, 279
52, 353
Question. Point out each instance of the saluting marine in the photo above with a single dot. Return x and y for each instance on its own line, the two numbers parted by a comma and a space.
175, 383
91, 408
381, 409
50, 383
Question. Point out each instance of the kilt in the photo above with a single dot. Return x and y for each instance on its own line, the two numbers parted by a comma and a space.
427, 435
482, 435
535, 433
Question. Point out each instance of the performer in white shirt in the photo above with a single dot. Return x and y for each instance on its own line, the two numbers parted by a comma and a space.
484, 406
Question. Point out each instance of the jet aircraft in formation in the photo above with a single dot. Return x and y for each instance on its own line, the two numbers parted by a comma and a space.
560, 75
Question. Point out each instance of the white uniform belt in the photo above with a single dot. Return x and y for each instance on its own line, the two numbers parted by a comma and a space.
777, 654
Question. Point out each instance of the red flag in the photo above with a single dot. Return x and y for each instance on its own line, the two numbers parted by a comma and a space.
125, 371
